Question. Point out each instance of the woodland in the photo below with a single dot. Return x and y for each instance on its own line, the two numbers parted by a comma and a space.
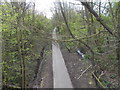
91, 27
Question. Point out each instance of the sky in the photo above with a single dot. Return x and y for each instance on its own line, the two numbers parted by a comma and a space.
45, 5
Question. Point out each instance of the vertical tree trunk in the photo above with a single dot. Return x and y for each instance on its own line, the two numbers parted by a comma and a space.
88, 21
20, 9
33, 12
22, 42
69, 31
118, 47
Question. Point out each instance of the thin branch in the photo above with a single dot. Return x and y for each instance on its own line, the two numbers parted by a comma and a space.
92, 52
84, 72
106, 52
98, 18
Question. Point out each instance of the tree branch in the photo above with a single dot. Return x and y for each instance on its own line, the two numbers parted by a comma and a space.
92, 52
98, 18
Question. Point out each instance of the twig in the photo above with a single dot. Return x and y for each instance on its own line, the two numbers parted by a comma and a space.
102, 73
101, 54
98, 80
84, 72
99, 19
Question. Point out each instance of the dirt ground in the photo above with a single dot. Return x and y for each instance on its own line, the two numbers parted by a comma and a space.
76, 67
45, 75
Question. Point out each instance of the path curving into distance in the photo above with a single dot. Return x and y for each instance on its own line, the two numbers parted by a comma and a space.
61, 78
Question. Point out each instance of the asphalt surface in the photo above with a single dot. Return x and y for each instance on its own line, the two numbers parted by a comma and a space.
61, 77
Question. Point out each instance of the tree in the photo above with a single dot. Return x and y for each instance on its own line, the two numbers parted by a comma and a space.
24, 42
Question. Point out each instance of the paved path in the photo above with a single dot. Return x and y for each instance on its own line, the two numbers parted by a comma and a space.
60, 74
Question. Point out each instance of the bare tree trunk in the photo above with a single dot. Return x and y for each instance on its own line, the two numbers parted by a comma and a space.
92, 52
88, 21
118, 38
33, 12
118, 47
68, 29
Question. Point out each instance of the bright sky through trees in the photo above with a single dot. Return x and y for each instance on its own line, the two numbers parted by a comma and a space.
44, 6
